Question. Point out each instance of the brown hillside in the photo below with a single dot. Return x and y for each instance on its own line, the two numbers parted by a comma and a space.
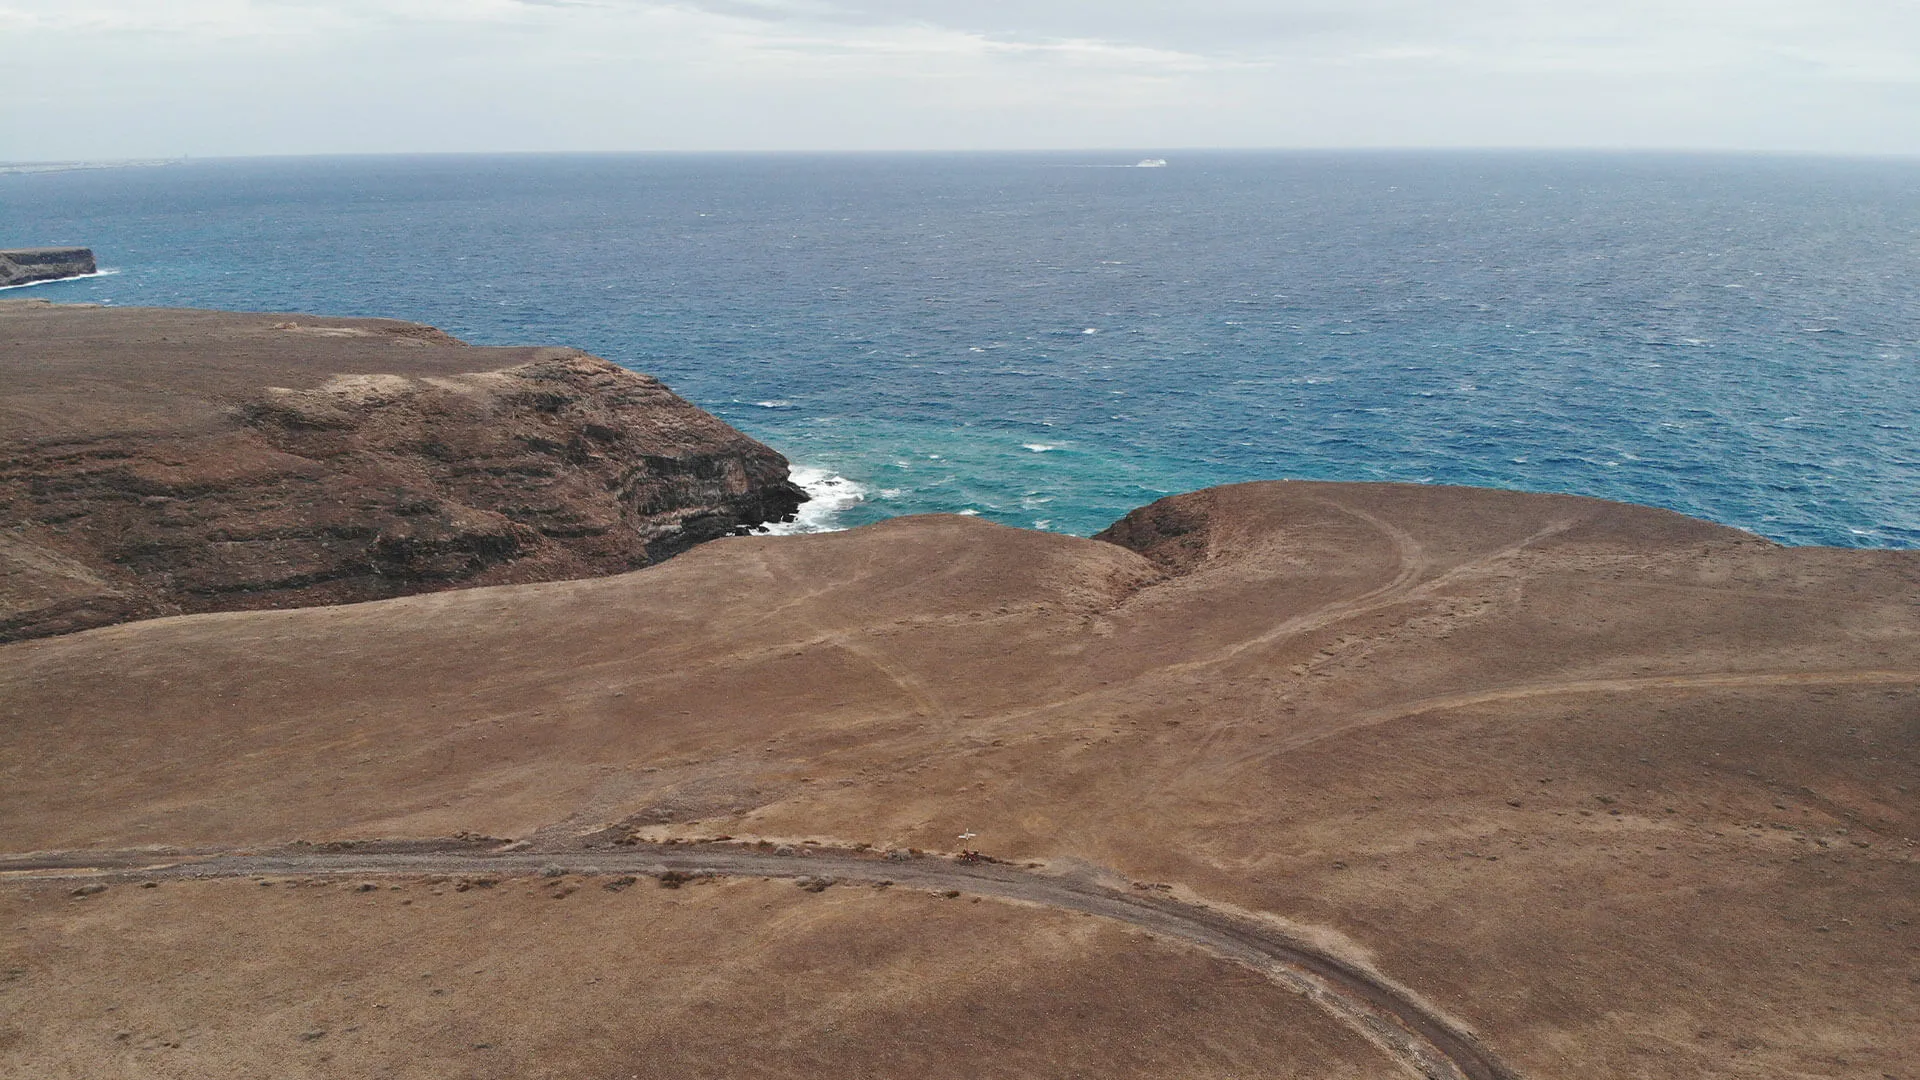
1624, 793
158, 462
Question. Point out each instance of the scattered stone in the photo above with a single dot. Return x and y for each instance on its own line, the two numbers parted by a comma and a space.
94, 888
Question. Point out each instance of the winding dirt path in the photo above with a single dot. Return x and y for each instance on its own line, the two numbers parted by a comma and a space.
1416, 1035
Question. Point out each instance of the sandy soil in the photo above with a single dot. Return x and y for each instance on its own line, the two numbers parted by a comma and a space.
1624, 794
561, 977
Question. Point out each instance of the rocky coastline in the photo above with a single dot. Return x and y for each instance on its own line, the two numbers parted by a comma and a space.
160, 462
27, 266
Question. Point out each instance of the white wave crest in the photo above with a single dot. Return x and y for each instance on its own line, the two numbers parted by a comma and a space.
830, 495
56, 281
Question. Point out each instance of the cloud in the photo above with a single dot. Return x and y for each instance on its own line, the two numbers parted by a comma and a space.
241, 76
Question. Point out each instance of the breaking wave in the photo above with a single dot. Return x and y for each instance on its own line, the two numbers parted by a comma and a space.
829, 494
56, 281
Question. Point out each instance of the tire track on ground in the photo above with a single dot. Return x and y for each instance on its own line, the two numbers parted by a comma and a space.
1416, 1035
1725, 680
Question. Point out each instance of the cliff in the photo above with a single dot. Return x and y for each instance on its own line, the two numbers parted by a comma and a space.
24, 266
161, 462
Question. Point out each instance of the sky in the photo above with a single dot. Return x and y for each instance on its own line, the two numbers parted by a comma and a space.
115, 79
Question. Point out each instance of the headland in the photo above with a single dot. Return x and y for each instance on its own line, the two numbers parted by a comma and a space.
160, 462
26, 266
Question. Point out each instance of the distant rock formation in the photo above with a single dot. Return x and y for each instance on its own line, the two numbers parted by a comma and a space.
24, 266
157, 462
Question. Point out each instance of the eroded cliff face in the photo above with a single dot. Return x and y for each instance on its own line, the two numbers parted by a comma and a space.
171, 462
24, 266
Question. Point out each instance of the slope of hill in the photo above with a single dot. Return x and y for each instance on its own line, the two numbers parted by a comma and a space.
1606, 791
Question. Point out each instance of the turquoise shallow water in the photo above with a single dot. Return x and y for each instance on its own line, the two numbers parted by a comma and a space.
1048, 341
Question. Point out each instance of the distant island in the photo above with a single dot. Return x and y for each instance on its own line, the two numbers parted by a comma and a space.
26, 266
15, 167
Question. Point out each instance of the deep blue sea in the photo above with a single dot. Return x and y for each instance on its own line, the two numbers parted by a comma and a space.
1049, 340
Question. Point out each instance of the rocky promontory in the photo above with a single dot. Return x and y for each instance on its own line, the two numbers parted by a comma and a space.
159, 462
24, 266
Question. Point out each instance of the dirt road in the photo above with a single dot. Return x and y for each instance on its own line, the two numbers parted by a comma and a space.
1422, 1040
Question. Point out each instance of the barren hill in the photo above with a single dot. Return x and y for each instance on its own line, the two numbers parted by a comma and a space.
155, 462
1559, 788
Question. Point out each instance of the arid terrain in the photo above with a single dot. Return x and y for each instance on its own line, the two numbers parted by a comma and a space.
158, 462
1289, 779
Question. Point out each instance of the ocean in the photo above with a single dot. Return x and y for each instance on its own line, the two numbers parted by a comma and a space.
1050, 339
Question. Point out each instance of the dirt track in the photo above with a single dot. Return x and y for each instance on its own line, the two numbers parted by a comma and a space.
1621, 793
1423, 1041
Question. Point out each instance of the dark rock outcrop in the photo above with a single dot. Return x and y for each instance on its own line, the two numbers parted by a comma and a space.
24, 266
163, 462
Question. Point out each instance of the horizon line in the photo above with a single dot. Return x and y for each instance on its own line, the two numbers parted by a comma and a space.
157, 160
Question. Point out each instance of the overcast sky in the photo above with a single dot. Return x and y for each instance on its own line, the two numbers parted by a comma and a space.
134, 78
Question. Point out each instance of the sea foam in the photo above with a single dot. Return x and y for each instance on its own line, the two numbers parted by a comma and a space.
56, 281
829, 496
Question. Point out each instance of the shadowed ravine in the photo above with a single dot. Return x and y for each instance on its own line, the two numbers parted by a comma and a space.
1414, 1034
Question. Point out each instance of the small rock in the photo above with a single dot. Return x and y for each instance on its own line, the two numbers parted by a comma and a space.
94, 888
365, 886
309, 1036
